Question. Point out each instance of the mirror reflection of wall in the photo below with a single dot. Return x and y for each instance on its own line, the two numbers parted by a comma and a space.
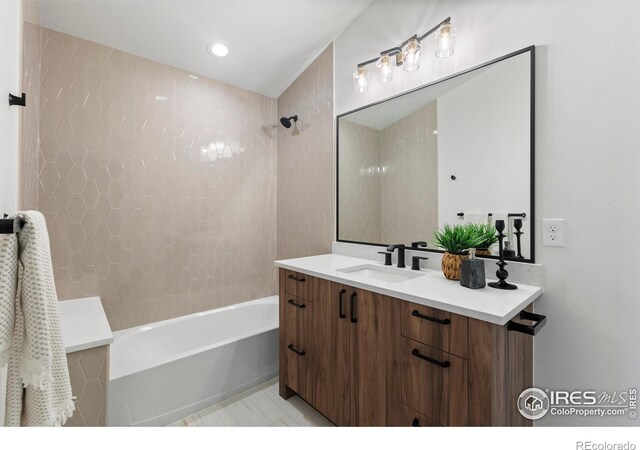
411, 164
395, 188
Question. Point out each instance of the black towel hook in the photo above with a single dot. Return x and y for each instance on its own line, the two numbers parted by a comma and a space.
18, 101
10, 226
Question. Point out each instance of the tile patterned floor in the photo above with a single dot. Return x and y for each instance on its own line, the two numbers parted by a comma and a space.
258, 407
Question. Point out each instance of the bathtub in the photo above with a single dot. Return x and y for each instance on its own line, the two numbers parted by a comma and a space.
165, 371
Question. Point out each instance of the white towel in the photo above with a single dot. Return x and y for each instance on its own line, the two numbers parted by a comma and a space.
38, 387
8, 292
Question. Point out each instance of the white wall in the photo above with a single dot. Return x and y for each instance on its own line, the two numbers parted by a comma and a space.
484, 140
587, 162
10, 29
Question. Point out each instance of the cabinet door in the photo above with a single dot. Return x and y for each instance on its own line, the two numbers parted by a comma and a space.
330, 351
298, 374
435, 383
296, 344
375, 332
298, 319
412, 418
297, 284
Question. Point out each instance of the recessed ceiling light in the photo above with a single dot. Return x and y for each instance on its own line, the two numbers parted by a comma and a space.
218, 49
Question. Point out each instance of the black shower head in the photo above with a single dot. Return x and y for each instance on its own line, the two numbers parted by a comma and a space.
286, 122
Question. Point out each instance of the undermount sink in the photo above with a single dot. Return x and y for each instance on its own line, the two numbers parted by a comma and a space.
381, 273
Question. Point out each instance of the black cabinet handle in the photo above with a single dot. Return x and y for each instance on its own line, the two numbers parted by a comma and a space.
353, 307
294, 278
532, 330
416, 422
341, 313
415, 313
417, 354
297, 305
297, 352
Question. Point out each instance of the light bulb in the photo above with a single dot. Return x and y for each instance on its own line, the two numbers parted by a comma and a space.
445, 40
218, 49
361, 80
385, 69
411, 55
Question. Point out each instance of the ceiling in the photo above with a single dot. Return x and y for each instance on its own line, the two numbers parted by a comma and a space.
270, 42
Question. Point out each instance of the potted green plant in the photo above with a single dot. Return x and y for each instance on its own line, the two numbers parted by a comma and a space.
454, 240
487, 234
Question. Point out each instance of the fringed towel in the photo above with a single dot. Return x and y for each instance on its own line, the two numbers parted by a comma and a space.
30, 335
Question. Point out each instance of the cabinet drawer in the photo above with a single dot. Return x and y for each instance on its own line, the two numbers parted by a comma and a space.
297, 370
435, 383
297, 284
298, 319
412, 418
439, 329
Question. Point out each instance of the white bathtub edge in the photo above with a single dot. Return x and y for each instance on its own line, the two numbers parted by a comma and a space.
183, 380
133, 330
116, 371
116, 375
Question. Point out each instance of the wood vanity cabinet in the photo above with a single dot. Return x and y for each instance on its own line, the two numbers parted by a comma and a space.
365, 359
334, 350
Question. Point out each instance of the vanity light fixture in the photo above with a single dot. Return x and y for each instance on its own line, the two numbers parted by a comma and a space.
411, 55
361, 79
407, 55
445, 40
385, 68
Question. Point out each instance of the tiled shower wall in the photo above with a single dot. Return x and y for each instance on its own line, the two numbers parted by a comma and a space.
359, 195
377, 167
409, 150
32, 36
158, 186
89, 375
305, 163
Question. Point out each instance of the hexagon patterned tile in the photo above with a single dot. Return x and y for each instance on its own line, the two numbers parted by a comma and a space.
306, 223
89, 375
158, 186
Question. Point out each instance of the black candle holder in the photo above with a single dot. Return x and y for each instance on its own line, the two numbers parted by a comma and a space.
517, 223
501, 273
509, 252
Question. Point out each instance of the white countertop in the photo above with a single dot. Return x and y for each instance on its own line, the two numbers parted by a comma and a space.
432, 289
84, 324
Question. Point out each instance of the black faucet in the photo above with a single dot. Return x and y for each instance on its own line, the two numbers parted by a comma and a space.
400, 248
415, 262
418, 244
387, 258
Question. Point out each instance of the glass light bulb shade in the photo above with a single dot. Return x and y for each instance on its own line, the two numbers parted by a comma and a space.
445, 40
361, 80
411, 56
385, 69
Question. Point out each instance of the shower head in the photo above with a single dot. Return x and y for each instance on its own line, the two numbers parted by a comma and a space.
286, 122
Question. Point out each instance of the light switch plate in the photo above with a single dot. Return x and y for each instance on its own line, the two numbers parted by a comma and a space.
553, 233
